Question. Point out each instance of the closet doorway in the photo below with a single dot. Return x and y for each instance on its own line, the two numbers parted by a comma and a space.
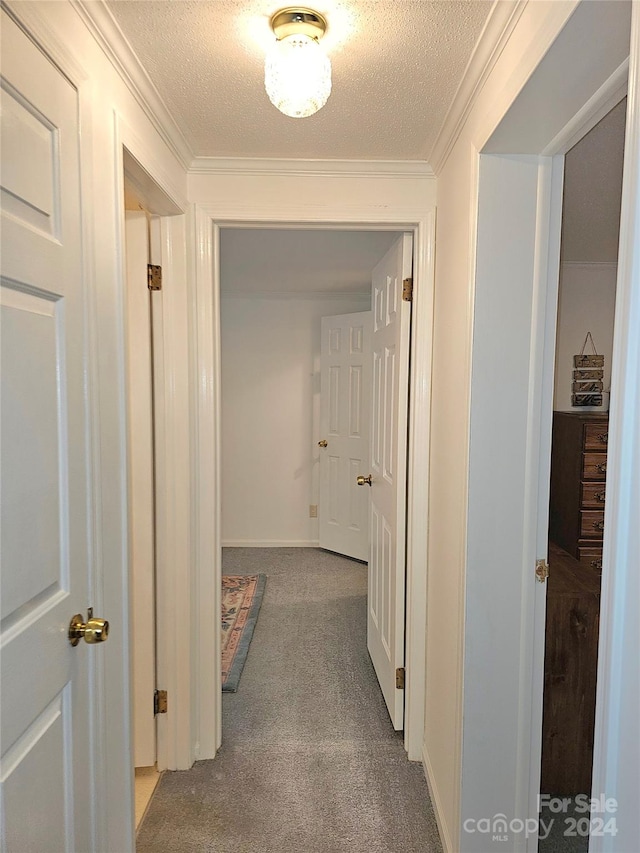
149, 223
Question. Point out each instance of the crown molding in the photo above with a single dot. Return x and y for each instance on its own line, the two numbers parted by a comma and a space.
105, 30
496, 32
321, 168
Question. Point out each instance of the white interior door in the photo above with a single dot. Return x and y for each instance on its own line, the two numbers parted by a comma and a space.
390, 383
345, 371
45, 771
141, 486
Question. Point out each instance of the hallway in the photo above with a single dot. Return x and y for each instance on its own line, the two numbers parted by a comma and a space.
309, 762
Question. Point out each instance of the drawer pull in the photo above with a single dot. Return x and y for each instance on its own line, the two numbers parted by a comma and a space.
602, 468
598, 525
603, 437
599, 496
597, 564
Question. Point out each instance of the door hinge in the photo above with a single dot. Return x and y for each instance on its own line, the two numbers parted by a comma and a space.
400, 678
154, 277
407, 290
542, 570
159, 702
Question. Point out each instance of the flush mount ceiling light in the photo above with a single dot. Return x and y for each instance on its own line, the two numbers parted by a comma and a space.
297, 72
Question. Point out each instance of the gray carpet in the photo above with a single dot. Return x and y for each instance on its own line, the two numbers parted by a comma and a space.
309, 763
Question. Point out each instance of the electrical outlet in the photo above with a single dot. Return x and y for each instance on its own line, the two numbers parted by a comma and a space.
313, 511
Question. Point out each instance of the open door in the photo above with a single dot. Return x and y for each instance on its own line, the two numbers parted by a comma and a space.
345, 379
47, 774
387, 482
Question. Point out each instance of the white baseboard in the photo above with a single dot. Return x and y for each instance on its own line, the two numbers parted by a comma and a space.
270, 543
443, 829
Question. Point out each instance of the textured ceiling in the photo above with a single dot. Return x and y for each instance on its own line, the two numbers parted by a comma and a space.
593, 190
261, 260
396, 67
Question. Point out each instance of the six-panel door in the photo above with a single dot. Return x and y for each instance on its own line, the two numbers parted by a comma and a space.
45, 732
386, 590
345, 379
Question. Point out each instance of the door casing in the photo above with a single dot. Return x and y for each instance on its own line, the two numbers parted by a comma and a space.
207, 221
173, 646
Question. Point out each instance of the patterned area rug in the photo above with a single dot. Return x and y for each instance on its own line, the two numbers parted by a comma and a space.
241, 600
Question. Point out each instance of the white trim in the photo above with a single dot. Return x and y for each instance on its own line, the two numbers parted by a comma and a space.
238, 214
418, 457
172, 424
270, 543
617, 734
103, 27
599, 104
496, 32
436, 802
207, 221
574, 264
319, 168
457, 758
547, 274
292, 294
160, 194
103, 772
207, 528
517, 190
176, 646
317, 226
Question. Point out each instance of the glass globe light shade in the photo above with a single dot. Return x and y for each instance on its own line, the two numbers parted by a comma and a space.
297, 76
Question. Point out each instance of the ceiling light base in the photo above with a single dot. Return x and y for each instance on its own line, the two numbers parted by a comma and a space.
298, 20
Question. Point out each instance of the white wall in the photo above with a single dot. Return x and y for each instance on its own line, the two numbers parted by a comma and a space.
455, 267
586, 304
270, 415
452, 773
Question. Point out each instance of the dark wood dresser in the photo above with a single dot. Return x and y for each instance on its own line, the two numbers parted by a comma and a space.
570, 666
578, 474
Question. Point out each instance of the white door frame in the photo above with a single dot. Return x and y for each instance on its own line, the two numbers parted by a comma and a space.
172, 460
141, 480
619, 579
207, 221
617, 726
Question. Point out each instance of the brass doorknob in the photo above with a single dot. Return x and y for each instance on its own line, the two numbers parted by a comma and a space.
323, 443
362, 480
94, 630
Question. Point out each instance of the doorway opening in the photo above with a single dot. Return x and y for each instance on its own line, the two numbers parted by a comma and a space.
148, 215
297, 364
139, 225
210, 220
587, 295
